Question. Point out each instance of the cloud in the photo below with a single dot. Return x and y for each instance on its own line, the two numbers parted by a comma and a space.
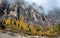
46, 4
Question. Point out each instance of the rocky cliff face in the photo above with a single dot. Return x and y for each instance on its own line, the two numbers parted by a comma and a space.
30, 14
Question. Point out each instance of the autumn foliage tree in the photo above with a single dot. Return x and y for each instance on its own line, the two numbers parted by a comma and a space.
23, 26
56, 27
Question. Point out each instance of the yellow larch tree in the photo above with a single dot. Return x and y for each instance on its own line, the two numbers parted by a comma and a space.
23, 26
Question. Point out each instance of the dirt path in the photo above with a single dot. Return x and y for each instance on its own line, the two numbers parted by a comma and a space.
7, 35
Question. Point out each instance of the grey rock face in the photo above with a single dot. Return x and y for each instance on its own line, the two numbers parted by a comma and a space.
19, 9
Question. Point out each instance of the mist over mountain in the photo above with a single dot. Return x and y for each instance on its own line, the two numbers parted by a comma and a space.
55, 13
46, 4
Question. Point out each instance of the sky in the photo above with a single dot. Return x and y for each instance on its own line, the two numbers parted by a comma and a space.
46, 4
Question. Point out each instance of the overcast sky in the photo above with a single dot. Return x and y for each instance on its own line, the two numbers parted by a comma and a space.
46, 4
